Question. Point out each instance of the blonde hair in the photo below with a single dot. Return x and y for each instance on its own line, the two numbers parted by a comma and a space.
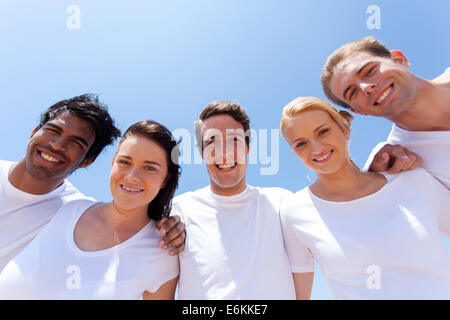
341, 117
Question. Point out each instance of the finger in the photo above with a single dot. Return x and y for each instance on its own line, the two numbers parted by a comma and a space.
159, 223
411, 160
170, 223
177, 250
398, 164
175, 236
380, 163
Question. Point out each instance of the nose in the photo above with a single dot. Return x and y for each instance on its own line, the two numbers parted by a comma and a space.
58, 143
367, 87
133, 174
316, 147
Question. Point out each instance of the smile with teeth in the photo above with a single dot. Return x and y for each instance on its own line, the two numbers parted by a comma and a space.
384, 95
324, 157
129, 189
226, 166
49, 157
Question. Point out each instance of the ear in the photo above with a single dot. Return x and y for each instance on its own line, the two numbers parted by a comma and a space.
34, 131
400, 58
86, 163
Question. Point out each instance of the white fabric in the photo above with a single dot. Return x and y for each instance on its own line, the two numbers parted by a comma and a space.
234, 246
53, 267
23, 215
383, 246
432, 146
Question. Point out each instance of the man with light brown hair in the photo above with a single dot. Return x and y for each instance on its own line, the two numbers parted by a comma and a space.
369, 79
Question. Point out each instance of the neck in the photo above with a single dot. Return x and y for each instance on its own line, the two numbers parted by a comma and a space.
344, 181
121, 219
430, 109
19, 177
228, 192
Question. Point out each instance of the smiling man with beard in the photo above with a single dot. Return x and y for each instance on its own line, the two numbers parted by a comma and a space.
234, 244
367, 78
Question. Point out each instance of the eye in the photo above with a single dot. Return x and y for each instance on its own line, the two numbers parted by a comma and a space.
77, 143
371, 70
149, 168
123, 162
51, 130
300, 144
323, 131
352, 93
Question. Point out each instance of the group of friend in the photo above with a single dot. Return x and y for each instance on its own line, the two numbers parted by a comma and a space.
375, 233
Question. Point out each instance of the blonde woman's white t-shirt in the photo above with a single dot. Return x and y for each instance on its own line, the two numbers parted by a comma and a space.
234, 246
383, 246
53, 267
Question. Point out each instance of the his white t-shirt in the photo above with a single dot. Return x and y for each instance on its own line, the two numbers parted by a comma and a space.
234, 246
383, 246
53, 267
432, 146
23, 215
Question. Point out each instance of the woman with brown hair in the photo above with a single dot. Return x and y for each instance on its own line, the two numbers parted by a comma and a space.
94, 250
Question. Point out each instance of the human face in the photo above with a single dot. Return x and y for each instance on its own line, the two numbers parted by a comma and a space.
374, 85
318, 141
59, 147
225, 152
138, 173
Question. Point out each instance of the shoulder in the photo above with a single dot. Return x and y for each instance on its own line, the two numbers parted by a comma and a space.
273, 193
444, 78
4, 166
416, 178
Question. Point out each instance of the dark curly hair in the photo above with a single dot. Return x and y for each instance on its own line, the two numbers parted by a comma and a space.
87, 107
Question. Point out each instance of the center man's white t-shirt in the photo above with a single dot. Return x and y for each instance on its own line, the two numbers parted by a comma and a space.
383, 246
234, 246
53, 267
23, 215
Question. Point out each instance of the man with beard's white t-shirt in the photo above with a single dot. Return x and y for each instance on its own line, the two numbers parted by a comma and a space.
432, 146
234, 246
23, 215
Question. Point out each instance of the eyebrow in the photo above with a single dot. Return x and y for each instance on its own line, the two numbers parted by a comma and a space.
80, 139
357, 73
315, 130
146, 161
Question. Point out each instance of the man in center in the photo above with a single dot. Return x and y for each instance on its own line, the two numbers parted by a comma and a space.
234, 244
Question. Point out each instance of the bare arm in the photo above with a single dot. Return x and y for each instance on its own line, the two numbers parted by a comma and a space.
303, 285
165, 292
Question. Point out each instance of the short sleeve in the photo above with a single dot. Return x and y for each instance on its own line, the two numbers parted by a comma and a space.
300, 256
169, 269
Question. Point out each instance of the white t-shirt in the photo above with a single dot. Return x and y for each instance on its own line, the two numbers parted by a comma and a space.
23, 215
432, 146
383, 246
53, 267
234, 246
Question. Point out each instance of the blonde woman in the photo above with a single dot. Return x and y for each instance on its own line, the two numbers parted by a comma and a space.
375, 236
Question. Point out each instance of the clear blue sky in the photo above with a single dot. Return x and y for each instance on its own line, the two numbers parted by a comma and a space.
165, 60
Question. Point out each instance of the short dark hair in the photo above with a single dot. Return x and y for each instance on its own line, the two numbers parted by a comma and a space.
87, 107
161, 205
231, 108
368, 44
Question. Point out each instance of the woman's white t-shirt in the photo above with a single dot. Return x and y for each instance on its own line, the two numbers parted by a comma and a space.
53, 267
383, 246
